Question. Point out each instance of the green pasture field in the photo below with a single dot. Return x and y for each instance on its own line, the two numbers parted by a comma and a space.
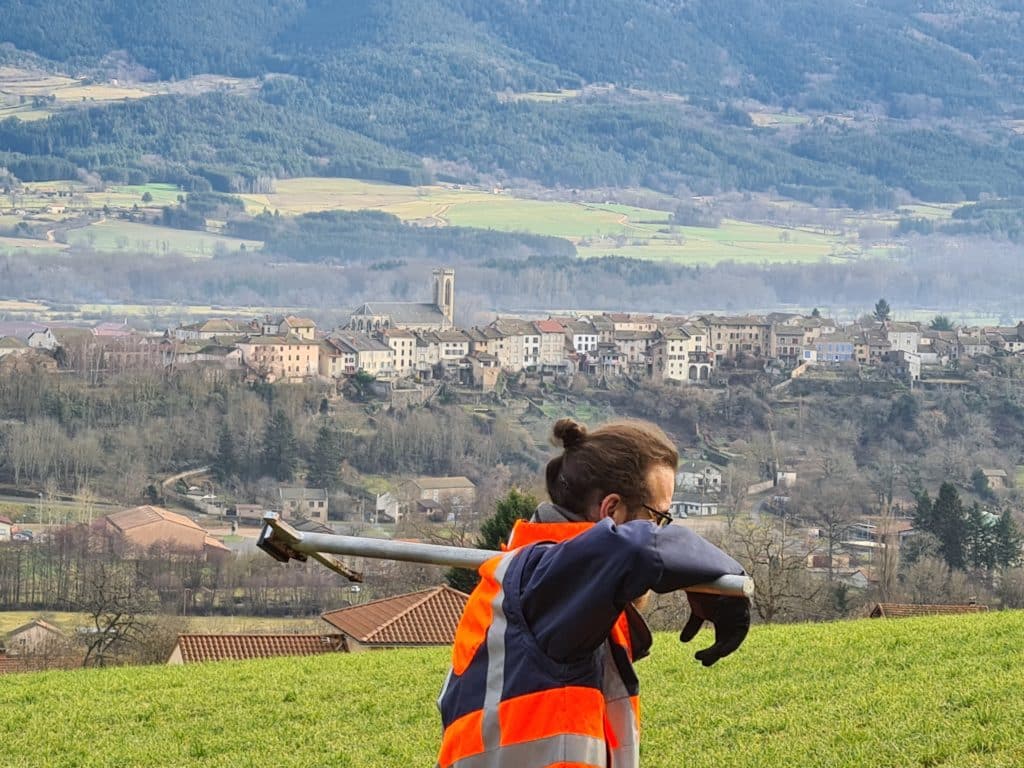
15, 244
1019, 481
544, 96
597, 229
115, 235
128, 195
937, 211
733, 241
16, 305
940, 691
767, 119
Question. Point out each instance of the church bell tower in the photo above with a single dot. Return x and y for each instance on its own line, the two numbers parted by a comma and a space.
444, 294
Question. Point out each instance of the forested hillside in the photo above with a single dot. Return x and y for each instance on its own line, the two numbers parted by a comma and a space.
882, 96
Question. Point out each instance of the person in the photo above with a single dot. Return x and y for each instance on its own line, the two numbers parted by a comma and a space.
542, 664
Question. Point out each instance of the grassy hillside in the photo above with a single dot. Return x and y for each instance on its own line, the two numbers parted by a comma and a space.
941, 691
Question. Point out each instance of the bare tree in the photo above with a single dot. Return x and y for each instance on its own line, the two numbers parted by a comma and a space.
776, 562
118, 604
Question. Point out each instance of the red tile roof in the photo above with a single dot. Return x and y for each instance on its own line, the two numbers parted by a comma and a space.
198, 648
428, 617
904, 610
549, 326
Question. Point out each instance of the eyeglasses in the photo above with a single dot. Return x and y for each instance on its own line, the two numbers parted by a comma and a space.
660, 518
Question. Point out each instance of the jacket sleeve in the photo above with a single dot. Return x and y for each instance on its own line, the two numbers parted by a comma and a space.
573, 592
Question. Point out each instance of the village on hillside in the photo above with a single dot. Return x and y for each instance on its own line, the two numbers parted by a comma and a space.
404, 354
409, 345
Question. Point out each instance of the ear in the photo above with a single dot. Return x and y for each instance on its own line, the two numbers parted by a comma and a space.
608, 506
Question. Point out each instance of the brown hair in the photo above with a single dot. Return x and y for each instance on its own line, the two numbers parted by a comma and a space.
614, 458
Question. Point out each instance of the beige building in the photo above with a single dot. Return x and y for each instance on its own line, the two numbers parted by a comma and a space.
403, 348
635, 345
212, 328
551, 351
453, 345
484, 340
297, 501
485, 371
517, 344
681, 354
371, 355
730, 335
146, 526
456, 495
35, 637
903, 337
628, 322
302, 327
281, 358
336, 362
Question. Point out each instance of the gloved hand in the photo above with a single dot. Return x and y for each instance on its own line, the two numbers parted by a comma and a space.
730, 617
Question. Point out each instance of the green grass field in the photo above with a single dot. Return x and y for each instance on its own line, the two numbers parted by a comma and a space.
942, 691
598, 230
23, 244
115, 235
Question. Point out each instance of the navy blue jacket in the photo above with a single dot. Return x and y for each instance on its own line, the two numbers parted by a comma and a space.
573, 592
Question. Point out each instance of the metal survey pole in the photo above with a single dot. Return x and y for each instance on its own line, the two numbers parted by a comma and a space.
283, 542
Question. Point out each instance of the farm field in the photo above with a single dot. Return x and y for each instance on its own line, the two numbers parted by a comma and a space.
19, 86
596, 229
859, 694
14, 244
116, 235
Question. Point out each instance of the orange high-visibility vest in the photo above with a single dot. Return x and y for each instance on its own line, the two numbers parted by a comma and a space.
505, 703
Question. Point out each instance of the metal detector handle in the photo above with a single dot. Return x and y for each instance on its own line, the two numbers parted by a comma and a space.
283, 542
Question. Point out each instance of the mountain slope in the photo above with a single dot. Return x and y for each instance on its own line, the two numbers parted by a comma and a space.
892, 96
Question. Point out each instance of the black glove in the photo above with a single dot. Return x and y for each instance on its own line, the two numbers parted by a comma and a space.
729, 615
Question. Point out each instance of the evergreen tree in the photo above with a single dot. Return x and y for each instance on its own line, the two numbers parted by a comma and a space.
981, 485
941, 323
1007, 541
280, 450
325, 459
922, 517
882, 310
225, 461
949, 523
980, 544
494, 532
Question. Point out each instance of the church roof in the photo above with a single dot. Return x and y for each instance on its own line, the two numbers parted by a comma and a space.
402, 311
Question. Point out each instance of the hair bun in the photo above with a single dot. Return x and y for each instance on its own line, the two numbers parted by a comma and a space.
569, 433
